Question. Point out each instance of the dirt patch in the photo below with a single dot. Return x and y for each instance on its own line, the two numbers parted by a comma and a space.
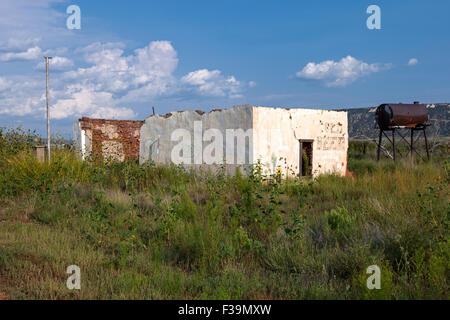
350, 175
17, 216
24, 220
3, 296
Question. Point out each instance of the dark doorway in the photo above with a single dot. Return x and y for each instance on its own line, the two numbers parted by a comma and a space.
306, 160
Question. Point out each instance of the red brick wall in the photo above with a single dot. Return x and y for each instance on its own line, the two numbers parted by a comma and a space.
119, 139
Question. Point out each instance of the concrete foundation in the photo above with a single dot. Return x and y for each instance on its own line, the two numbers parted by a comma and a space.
40, 152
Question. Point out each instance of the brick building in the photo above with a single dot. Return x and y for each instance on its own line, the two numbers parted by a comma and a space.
110, 139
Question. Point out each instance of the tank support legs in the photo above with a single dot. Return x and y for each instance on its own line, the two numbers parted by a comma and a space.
379, 145
426, 143
409, 143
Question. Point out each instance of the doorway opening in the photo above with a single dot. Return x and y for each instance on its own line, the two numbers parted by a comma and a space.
306, 160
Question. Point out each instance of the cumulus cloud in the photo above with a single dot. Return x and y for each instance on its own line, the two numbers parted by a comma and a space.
98, 79
413, 62
213, 83
3, 84
114, 72
340, 73
114, 78
18, 44
30, 54
112, 82
21, 95
20, 31
88, 101
54, 52
100, 46
56, 64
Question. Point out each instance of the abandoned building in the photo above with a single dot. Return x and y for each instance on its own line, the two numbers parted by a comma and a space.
293, 142
111, 139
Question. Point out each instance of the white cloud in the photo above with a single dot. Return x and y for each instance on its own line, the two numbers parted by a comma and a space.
54, 52
109, 81
413, 62
100, 46
112, 82
15, 49
115, 79
86, 101
341, 73
159, 59
24, 21
3, 84
56, 64
30, 54
18, 44
21, 95
114, 72
113, 113
213, 83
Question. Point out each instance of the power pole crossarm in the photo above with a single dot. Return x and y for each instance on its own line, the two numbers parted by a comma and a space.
47, 59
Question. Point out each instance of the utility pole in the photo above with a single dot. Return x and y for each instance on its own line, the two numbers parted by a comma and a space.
47, 59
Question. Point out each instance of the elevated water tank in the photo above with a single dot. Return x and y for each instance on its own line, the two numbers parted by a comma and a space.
401, 115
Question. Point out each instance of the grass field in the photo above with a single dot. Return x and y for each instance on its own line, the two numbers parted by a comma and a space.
161, 232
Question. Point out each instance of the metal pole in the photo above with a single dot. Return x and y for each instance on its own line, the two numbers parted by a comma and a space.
412, 142
426, 142
393, 142
379, 144
48, 107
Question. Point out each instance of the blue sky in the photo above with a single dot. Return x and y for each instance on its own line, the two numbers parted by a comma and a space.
131, 55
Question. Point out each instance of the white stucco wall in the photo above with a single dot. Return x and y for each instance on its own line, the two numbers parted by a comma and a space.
277, 133
82, 141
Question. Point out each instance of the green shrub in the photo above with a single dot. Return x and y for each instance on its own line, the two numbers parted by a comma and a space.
338, 219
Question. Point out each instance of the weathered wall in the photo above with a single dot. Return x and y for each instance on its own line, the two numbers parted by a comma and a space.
277, 133
110, 139
274, 133
157, 143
